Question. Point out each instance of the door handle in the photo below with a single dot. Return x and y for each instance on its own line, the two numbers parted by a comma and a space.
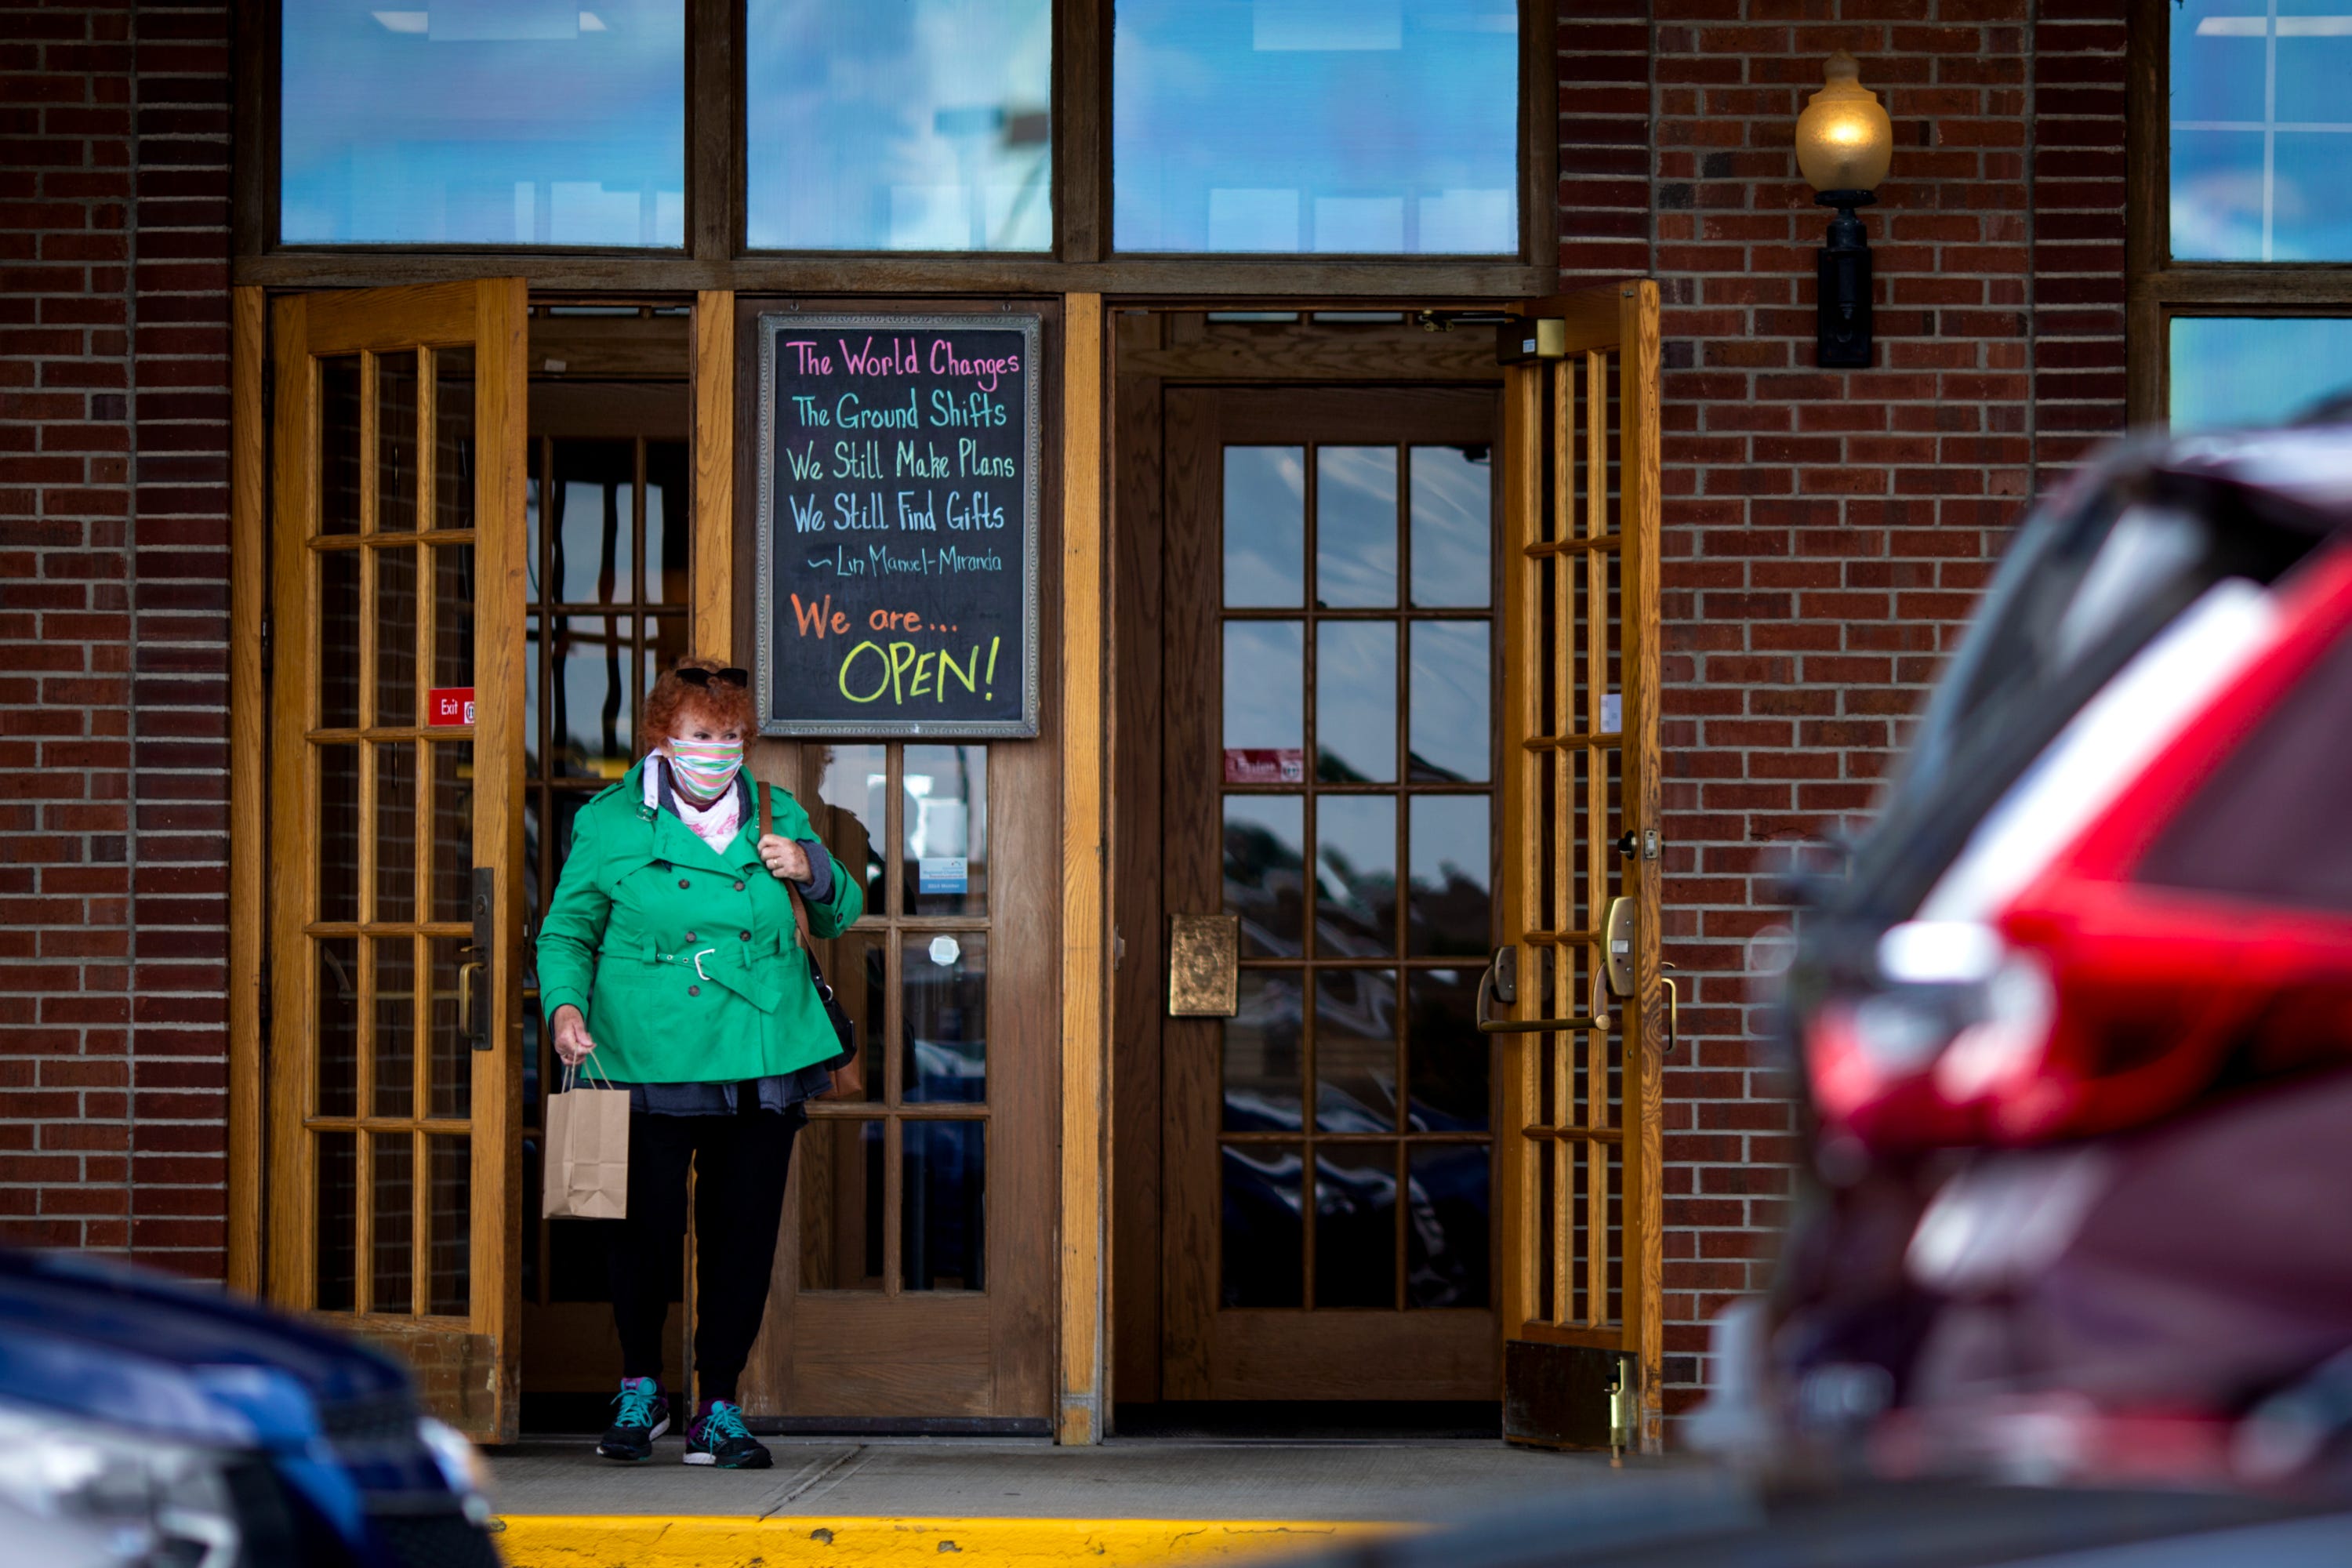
1523, 1025
474, 974
470, 986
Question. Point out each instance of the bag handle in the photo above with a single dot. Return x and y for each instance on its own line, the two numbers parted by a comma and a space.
571, 1073
793, 894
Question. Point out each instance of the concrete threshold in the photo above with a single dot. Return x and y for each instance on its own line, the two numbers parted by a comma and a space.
997, 1501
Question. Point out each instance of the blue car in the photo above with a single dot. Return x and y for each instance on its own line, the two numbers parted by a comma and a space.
178, 1425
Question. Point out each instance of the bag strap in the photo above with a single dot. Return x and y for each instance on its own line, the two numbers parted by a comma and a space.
768, 826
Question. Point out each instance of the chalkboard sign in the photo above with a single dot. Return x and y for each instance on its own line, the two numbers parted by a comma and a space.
897, 502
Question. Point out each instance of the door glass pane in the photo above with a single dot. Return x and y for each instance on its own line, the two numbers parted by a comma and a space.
922, 125
453, 439
1356, 876
1356, 701
592, 700
1446, 1232
339, 444
851, 802
945, 816
943, 1210
395, 1028
1265, 682
1355, 1050
395, 830
1355, 1224
839, 1167
336, 1182
2249, 369
1264, 1058
337, 649
669, 527
396, 635
1265, 871
1446, 1089
449, 1205
1450, 911
1349, 126
1355, 527
595, 522
395, 442
483, 121
453, 831
945, 1016
339, 833
394, 1215
1450, 683
453, 614
336, 1029
449, 1061
1265, 526
2258, 122
1262, 1239
856, 972
1453, 527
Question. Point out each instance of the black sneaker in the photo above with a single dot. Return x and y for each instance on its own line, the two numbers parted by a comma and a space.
644, 1415
719, 1437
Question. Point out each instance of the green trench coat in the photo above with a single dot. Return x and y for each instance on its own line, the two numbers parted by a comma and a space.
685, 960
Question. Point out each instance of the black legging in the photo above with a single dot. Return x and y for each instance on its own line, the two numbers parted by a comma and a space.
740, 1163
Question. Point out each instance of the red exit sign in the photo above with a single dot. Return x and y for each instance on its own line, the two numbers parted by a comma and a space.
450, 705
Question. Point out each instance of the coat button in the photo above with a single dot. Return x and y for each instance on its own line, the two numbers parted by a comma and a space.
689, 936
745, 936
685, 882
694, 991
738, 886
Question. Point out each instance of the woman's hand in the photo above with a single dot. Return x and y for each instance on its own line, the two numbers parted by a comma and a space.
784, 858
572, 1041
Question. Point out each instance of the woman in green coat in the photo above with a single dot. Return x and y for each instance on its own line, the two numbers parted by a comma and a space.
670, 952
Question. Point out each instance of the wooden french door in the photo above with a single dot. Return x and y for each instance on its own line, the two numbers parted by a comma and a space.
1329, 774
1580, 1171
397, 707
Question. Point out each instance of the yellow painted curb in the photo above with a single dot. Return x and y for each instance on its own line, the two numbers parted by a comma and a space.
650, 1541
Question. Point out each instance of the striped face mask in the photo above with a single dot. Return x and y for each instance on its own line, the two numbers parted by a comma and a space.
706, 767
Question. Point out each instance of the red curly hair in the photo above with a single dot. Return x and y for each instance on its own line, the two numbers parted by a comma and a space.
717, 706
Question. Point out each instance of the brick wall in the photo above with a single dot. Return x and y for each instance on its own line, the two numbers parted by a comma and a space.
1826, 531
113, 627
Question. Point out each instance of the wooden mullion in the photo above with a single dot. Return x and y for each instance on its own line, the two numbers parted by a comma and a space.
1598, 1045
420, 1193
1562, 814
1519, 476
363, 1180
1310, 947
894, 1016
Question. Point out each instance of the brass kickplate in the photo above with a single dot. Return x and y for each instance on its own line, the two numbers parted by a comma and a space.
1203, 966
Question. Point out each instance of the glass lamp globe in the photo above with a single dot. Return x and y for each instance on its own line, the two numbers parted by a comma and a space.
1844, 140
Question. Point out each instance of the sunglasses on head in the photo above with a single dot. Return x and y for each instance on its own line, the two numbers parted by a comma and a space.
703, 677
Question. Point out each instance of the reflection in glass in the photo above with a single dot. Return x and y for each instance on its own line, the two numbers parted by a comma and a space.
858, 974
1262, 1238
1263, 1064
1355, 701
943, 1204
944, 1012
396, 442
852, 803
449, 1059
395, 830
483, 121
449, 1205
1450, 912
1446, 1232
1265, 871
453, 443
1380, 127
594, 524
2248, 369
944, 818
2259, 124
1449, 1060
1355, 1050
1355, 875
339, 445
593, 703
922, 125
1265, 527
339, 833
1450, 683
393, 1181
669, 527
339, 639
453, 614
1265, 683
839, 1168
1453, 527
396, 635
1355, 1224
395, 1028
335, 1030
453, 830
1356, 527
337, 1236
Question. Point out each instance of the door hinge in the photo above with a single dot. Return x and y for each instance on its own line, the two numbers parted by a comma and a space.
268, 646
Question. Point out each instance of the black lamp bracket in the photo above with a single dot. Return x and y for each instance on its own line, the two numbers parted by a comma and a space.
1843, 336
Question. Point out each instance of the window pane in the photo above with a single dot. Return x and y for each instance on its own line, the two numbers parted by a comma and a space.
1453, 523
494, 121
1355, 1224
1366, 127
1446, 1234
920, 125
1356, 527
1265, 871
1265, 681
1265, 526
840, 1175
849, 812
1449, 680
1355, 1050
1356, 876
944, 1003
1262, 1058
943, 1204
2245, 187
1450, 911
2249, 369
1355, 701
945, 822
1263, 1243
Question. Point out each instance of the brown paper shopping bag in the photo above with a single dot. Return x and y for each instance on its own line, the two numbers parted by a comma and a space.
587, 1149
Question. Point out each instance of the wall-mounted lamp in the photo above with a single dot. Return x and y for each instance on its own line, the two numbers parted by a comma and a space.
1843, 144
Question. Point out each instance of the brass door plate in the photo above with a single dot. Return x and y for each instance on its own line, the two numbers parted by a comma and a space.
1203, 966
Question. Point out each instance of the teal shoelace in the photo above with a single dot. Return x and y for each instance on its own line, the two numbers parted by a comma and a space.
636, 1402
723, 1422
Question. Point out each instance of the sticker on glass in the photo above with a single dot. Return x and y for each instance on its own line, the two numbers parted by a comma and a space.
945, 950
941, 874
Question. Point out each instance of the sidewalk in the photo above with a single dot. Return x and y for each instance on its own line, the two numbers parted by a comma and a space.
998, 1502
